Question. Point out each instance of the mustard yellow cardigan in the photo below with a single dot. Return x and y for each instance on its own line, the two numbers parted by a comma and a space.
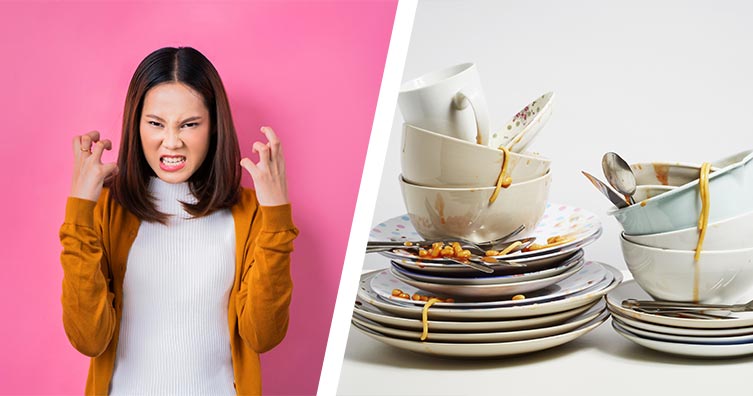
96, 239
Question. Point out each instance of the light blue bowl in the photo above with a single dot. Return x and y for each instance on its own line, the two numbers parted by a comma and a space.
730, 194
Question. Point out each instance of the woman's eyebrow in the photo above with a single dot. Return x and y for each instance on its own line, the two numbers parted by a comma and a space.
189, 119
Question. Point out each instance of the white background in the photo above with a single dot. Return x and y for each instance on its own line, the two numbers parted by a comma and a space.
650, 80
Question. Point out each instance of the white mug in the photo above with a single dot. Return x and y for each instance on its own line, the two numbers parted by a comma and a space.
449, 101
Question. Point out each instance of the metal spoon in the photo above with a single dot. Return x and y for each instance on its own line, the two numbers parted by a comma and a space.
619, 175
606, 190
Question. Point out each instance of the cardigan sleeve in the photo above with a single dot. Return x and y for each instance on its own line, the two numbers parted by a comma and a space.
264, 298
88, 312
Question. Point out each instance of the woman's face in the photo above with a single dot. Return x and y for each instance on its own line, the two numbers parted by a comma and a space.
174, 131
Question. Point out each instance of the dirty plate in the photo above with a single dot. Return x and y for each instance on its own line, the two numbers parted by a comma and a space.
590, 274
486, 349
409, 310
494, 279
373, 313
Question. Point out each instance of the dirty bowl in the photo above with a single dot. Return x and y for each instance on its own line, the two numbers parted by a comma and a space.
723, 276
644, 192
731, 194
466, 213
728, 234
435, 160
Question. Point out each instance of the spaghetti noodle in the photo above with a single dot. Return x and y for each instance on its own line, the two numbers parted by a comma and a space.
425, 318
502, 181
703, 219
703, 222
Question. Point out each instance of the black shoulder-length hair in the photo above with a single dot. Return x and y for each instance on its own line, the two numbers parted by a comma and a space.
216, 184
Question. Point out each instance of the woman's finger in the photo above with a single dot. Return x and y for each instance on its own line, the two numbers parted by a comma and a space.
93, 135
274, 141
107, 143
97, 149
263, 152
86, 143
110, 168
269, 133
76, 146
249, 165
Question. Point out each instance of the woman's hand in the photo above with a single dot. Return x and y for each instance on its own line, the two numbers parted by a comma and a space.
269, 173
88, 170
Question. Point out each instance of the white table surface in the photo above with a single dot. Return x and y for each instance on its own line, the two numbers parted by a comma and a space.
599, 363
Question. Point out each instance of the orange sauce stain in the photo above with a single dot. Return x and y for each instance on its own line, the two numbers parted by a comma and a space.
662, 173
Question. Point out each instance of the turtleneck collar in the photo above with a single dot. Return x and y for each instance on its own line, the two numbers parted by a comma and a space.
169, 196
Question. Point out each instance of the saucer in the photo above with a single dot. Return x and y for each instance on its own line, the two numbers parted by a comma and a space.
630, 289
685, 349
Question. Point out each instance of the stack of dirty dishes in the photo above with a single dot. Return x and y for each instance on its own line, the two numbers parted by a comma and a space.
692, 244
463, 280
459, 179
532, 300
695, 330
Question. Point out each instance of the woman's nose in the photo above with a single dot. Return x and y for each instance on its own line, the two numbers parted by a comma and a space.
172, 139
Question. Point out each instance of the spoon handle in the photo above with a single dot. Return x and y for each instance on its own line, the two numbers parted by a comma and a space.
606, 190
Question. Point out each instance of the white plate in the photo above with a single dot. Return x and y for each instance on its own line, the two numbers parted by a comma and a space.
591, 273
492, 280
487, 349
504, 336
524, 125
630, 289
706, 340
694, 350
656, 328
371, 312
407, 310
537, 263
558, 219
485, 292
539, 259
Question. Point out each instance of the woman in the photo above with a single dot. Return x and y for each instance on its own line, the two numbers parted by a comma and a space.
208, 282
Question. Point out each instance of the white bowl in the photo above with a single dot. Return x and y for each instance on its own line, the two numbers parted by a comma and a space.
729, 234
438, 213
644, 192
677, 173
435, 160
724, 276
665, 173
731, 194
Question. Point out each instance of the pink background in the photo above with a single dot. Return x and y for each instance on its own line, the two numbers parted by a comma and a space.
310, 70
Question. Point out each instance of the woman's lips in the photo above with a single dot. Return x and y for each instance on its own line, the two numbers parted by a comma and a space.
172, 163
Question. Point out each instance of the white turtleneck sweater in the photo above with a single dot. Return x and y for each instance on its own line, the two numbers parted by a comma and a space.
174, 336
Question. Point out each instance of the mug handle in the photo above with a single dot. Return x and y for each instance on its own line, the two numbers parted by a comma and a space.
461, 100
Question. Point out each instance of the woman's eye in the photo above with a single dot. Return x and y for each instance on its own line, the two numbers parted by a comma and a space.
190, 125
155, 123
